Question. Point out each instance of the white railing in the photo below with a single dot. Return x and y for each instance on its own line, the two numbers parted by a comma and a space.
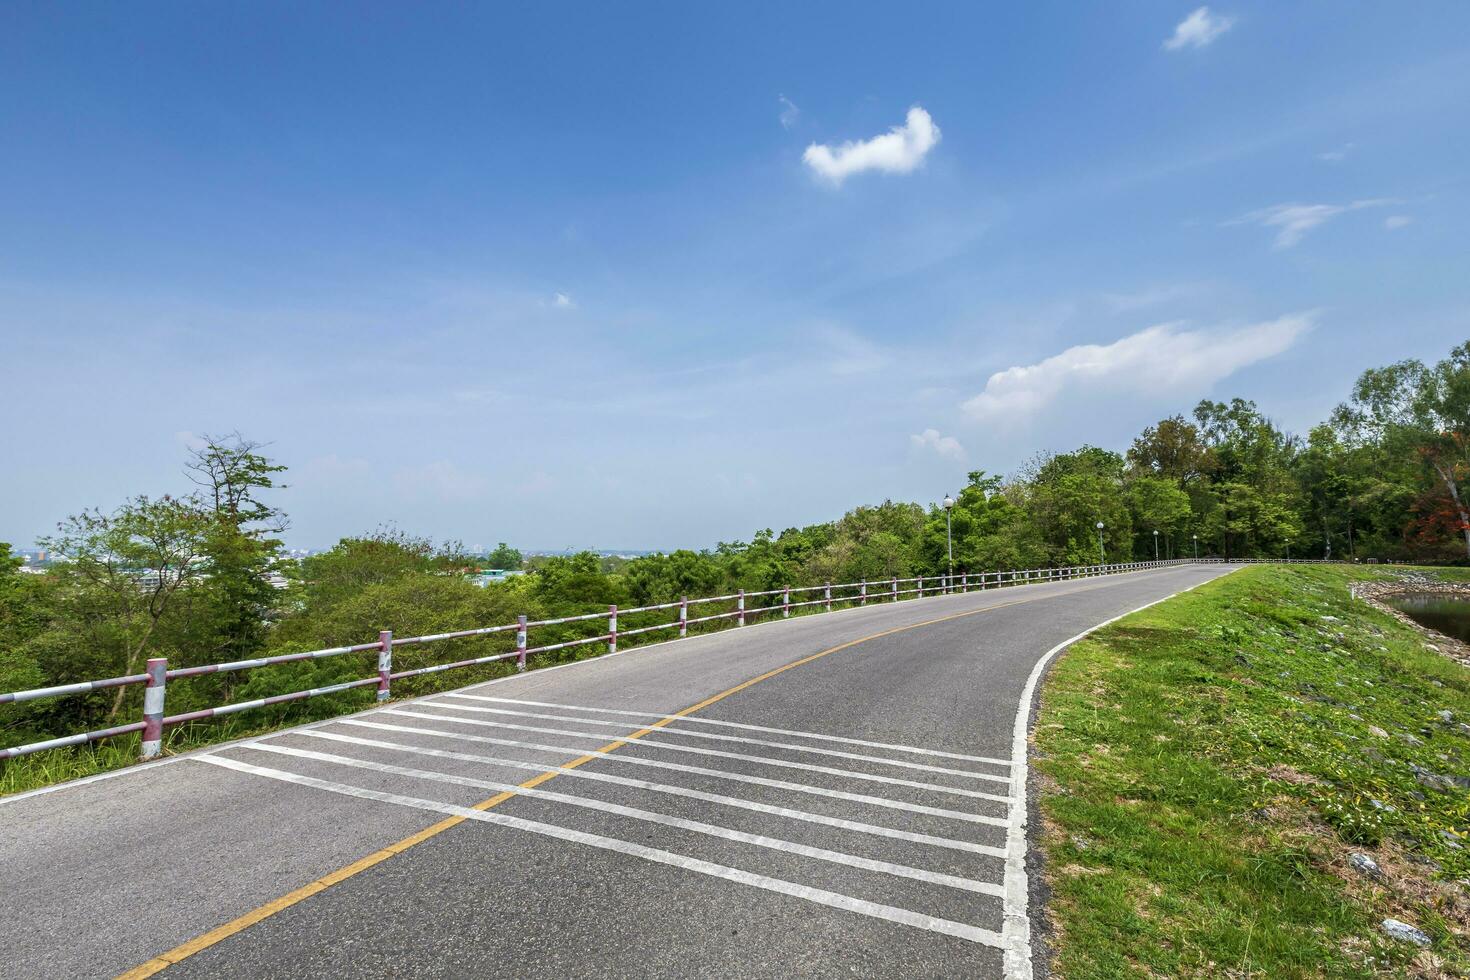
157, 675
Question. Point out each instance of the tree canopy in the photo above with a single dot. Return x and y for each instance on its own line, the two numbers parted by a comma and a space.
197, 576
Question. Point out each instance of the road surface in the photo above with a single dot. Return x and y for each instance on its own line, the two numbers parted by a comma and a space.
830, 795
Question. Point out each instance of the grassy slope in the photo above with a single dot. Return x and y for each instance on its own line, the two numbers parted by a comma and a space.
1208, 766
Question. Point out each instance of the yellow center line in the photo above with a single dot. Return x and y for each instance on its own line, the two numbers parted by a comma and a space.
202, 942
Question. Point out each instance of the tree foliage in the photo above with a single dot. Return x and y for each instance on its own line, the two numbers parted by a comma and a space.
193, 576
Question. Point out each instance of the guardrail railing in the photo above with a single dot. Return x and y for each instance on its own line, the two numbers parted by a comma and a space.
157, 675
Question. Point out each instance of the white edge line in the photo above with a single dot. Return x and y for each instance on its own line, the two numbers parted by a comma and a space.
1016, 921
205, 750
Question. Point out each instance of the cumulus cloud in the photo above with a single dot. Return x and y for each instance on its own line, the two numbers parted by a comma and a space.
563, 302
1293, 221
1198, 30
789, 112
947, 447
898, 151
1396, 221
1164, 357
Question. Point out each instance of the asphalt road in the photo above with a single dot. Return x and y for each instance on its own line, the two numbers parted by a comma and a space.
852, 815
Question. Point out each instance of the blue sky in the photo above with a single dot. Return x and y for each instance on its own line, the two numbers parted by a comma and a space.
660, 275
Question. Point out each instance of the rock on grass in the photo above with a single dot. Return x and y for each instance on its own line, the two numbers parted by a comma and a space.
1404, 932
1365, 865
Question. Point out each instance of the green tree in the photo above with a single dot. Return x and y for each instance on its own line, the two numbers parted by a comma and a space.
1422, 413
1252, 503
1172, 449
233, 477
123, 573
1069, 494
504, 556
1157, 504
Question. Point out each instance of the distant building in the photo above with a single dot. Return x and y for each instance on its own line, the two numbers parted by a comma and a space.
487, 576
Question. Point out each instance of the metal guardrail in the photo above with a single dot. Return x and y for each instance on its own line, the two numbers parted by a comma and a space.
155, 679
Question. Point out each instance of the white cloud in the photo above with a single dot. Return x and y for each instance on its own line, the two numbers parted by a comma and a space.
1293, 221
789, 112
563, 302
1396, 221
1199, 29
898, 151
947, 447
1336, 156
1163, 357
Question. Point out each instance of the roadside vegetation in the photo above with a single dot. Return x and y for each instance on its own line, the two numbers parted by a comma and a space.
1249, 779
198, 577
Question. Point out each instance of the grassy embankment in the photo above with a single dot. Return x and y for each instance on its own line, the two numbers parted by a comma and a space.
1210, 765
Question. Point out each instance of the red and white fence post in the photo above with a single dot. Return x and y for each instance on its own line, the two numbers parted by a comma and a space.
863, 593
385, 663
921, 586
786, 602
683, 616
521, 642
964, 582
827, 597
740, 609
153, 707
893, 587
612, 628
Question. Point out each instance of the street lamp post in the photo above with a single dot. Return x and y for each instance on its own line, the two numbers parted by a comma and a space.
1156, 544
1102, 555
1196, 546
948, 536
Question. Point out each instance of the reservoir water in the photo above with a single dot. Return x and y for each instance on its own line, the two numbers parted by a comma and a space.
1449, 616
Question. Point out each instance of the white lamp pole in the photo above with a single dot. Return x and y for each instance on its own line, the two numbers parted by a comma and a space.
1156, 544
948, 535
1102, 555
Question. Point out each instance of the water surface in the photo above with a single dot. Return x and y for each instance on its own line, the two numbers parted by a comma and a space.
1449, 616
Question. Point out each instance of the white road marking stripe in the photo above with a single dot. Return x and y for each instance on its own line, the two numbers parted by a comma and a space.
622, 726
736, 724
738, 777
693, 794
670, 746
819, 896
1016, 921
649, 816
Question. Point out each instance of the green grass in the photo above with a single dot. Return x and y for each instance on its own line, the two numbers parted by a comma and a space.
1209, 764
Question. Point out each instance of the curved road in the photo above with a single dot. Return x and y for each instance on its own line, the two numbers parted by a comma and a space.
830, 795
